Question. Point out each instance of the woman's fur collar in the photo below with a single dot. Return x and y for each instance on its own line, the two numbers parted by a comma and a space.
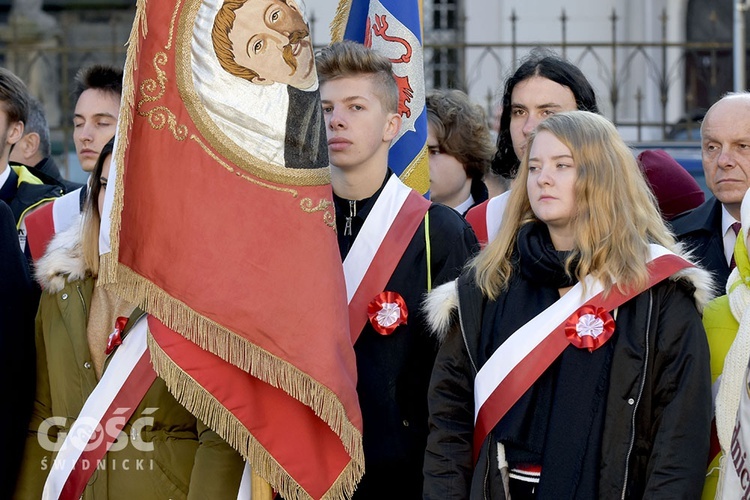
441, 304
63, 261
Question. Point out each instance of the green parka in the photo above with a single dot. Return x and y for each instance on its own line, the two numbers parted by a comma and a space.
174, 456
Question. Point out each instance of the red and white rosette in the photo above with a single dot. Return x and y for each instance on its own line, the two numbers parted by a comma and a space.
386, 312
115, 338
589, 327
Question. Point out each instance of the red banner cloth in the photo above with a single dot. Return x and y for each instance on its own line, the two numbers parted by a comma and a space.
235, 252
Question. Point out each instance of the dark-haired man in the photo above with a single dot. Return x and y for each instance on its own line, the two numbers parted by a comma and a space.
97, 93
543, 85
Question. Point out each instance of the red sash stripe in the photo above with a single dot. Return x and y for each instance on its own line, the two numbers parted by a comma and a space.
40, 227
525, 373
477, 218
129, 397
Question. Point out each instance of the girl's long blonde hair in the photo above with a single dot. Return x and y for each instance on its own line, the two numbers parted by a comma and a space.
616, 217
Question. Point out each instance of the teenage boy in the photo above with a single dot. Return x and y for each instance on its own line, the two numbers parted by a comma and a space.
395, 246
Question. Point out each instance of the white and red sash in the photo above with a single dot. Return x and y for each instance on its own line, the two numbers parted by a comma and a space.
524, 356
114, 399
486, 217
381, 242
41, 224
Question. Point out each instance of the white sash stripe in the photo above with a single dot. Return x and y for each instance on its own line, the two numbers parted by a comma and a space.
117, 372
65, 210
371, 236
494, 216
528, 337
246, 490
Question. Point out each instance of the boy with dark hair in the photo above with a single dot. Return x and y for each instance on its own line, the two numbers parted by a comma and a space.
108, 79
97, 93
395, 246
544, 84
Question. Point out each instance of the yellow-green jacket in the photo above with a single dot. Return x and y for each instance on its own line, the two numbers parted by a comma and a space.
721, 328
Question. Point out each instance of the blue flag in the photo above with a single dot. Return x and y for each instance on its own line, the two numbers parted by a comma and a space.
394, 28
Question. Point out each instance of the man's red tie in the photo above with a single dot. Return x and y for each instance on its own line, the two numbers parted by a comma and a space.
736, 228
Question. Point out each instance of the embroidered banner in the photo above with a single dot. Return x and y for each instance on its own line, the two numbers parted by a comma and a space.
222, 228
394, 28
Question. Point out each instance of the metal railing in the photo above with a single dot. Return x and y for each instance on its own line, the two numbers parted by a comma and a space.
692, 71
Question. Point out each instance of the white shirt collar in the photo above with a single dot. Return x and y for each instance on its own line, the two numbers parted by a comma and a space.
727, 234
463, 207
4, 176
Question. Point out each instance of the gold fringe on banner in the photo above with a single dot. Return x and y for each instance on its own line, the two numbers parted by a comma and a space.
241, 353
108, 261
212, 336
338, 25
201, 403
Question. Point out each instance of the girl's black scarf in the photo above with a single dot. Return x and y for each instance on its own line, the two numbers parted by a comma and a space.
558, 422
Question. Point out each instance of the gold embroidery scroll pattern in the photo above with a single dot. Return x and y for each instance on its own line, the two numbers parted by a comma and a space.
229, 168
323, 206
153, 90
168, 46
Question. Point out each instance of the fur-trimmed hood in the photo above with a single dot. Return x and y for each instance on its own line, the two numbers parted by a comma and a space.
441, 304
63, 261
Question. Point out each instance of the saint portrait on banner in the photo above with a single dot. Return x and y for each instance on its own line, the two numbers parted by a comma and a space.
257, 86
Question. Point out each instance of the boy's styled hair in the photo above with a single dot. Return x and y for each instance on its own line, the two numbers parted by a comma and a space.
347, 59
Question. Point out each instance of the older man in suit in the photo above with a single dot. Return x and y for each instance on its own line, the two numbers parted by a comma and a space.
710, 230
